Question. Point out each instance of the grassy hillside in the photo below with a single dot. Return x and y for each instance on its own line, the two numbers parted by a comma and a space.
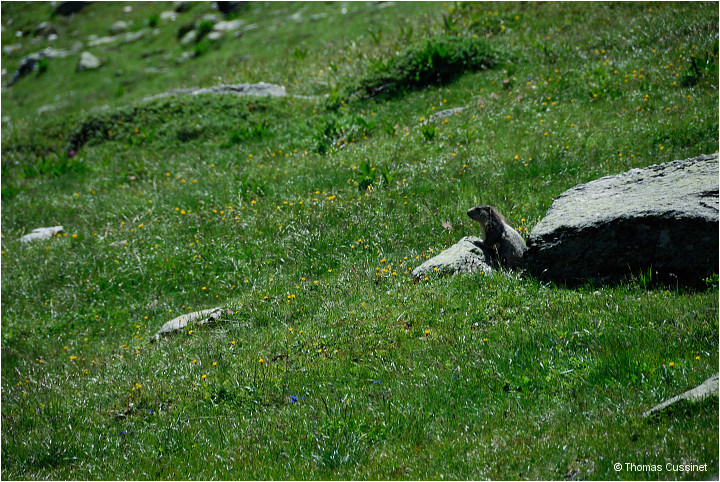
305, 214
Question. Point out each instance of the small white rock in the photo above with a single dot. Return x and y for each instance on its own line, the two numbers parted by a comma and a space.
41, 233
88, 62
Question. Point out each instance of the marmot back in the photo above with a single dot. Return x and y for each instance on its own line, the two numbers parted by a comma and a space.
499, 235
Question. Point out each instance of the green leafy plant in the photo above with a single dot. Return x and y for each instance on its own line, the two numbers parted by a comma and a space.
345, 128
325, 136
204, 27
375, 35
387, 175
255, 131
153, 20
42, 66
200, 48
250, 188
367, 175
450, 23
429, 131
300, 54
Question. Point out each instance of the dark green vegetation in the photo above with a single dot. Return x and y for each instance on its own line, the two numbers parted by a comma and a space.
433, 61
306, 221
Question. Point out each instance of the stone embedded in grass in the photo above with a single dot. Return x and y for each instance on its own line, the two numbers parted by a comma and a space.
133, 36
215, 35
261, 89
119, 27
88, 62
465, 256
12, 48
44, 29
202, 317
447, 113
228, 25
184, 57
209, 17
94, 42
708, 388
662, 218
189, 38
41, 233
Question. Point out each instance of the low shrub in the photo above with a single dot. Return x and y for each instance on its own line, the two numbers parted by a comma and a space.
433, 61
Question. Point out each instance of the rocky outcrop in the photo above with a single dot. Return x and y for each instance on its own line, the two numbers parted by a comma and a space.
465, 256
708, 388
662, 218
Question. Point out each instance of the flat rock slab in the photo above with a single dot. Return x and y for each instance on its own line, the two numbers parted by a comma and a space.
41, 233
465, 256
201, 317
260, 89
663, 217
708, 388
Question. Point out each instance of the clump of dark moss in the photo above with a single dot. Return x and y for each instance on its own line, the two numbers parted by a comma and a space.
433, 61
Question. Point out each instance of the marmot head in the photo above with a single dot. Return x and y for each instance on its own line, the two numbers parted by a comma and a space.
482, 214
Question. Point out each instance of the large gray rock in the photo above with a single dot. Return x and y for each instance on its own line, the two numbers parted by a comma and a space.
465, 256
664, 218
708, 388
88, 62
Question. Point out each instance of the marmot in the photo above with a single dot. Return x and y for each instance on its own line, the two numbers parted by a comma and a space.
499, 235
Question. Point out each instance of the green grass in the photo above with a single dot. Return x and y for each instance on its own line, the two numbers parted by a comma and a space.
306, 222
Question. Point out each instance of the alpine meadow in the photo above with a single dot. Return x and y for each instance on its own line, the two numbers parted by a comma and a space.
291, 164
